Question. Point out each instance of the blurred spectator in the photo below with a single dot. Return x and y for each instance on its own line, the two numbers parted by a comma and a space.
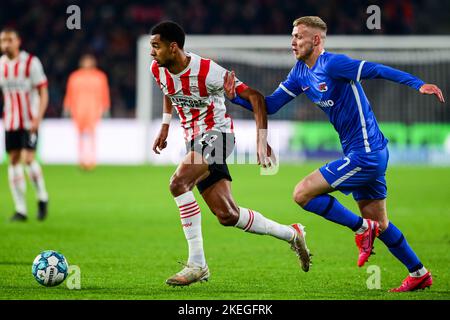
110, 29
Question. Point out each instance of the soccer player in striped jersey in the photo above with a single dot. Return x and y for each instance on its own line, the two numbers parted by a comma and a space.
25, 93
333, 82
194, 86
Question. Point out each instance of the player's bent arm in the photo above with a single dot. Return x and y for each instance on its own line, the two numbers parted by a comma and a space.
257, 102
264, 151
160, 141
274, 102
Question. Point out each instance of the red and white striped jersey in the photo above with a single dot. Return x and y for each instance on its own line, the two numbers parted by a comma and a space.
19, 79
197, 94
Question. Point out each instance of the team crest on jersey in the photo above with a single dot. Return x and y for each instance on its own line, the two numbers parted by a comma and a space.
323, 87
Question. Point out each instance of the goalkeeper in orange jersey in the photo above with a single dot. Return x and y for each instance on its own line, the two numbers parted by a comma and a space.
87, 98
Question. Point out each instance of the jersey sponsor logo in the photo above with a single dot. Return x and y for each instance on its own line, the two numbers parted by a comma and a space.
325, 103
323, 87
15, 85
188, 102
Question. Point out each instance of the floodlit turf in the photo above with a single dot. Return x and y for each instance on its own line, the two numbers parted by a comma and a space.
121, 227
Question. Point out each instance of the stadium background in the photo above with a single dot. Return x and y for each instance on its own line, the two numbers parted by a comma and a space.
82, 212
111, 30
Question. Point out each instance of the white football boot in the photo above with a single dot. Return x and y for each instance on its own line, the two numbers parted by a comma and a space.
189, 274
298, 244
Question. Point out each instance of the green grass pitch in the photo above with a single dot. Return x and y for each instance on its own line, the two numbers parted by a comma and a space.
121, 227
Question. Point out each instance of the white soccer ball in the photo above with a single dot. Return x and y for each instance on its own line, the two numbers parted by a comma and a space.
50, 268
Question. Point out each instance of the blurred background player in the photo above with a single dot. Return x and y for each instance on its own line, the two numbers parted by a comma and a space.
194, 86
332, 82
87, 99
25, 95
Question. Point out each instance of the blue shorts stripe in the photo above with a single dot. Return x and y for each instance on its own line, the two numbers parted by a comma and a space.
362, 174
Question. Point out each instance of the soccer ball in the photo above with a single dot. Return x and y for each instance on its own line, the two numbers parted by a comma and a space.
50, 268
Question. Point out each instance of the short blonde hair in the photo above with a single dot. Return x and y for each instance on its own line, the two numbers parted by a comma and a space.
311, 21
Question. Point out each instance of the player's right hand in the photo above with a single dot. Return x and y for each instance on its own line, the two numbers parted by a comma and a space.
160, 141
432, 89
229, 85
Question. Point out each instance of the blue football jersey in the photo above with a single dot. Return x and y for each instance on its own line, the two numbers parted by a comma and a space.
334, 85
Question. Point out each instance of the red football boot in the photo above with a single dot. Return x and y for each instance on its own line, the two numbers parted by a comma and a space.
364, 241
415, 283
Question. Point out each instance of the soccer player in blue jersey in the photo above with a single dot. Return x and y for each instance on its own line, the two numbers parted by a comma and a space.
333, 82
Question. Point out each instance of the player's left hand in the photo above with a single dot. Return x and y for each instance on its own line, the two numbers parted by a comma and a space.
432, 89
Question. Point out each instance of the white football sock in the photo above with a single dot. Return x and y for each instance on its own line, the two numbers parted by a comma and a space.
18, 187
255, 222
363, 228
34, 172
192, 226
419, 273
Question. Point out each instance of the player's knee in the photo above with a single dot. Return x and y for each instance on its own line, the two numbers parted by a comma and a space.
300, 195
383, 223
178, 186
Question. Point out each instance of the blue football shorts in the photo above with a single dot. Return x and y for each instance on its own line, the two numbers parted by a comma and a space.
362, 174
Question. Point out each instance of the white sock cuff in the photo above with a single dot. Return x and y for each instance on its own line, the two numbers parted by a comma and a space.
419, 273
363, 227
243, 220
184, 198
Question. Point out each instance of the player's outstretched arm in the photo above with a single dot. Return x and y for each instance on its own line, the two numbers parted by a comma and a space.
432, 89
161, 139
274, 102
372, 70
341, 66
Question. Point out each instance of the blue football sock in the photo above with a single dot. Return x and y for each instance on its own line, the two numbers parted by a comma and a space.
399, 247
331, 209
